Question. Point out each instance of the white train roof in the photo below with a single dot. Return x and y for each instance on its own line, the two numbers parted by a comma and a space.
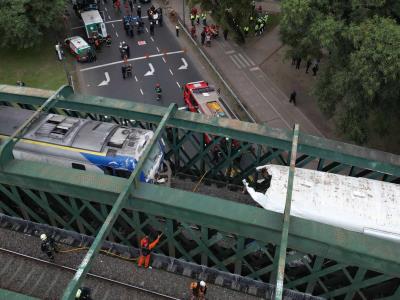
357, 204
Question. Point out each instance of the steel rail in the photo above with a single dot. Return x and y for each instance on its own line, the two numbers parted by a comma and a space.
90, 274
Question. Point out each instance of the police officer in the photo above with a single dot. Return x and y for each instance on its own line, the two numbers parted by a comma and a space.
139, 11
204, 18
177, 30
48, 246
151, 27
256, 29
123, 70
192, 18
246, 30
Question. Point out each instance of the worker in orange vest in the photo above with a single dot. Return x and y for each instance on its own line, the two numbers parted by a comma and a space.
145, 250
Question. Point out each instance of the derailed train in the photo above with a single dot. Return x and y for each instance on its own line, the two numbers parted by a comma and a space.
82, 143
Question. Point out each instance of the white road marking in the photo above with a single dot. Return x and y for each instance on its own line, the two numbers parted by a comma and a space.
112, 25
158, 50
235, 62
184, 66
141, 91
171, 72
132, 59
116, 33
152, 38
105, 8
230, 52
136, 79
164, 60
151, 71
247, 63
248, 58
255, 69
146, 29
105, 82
182, 108
109, 17
178, 84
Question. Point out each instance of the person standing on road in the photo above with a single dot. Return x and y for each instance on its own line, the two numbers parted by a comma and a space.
145, 250
123, 70
131, 5
203, 36
309, 63
83, 293
246, 30
226, 31
139, 11
198, 19
298, 62
177, 30
293, 98
151, 28
204, 18
192, 18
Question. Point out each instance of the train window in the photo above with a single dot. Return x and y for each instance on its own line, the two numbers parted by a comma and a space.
122, 173
111, 152
78, 166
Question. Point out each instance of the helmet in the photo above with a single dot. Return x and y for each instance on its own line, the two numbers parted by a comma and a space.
43, 237
202, 283
78, 293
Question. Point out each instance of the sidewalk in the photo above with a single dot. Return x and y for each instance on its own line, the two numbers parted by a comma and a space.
247, 70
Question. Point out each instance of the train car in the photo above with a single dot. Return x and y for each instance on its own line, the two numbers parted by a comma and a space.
82, 144
358, 204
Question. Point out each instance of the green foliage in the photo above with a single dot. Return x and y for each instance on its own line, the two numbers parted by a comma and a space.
359, 83
22, 22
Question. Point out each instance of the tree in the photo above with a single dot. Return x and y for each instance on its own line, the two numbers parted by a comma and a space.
359, 84
23, 22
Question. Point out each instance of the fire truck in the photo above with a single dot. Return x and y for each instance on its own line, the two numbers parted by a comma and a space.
202, 98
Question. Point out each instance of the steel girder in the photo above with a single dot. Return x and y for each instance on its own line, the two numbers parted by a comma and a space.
233, 237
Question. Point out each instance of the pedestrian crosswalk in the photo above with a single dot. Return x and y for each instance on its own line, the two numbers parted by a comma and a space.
240, 60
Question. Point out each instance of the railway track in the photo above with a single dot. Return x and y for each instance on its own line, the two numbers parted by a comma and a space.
46, 280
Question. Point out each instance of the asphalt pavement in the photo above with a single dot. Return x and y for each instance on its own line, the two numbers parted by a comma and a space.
155, 59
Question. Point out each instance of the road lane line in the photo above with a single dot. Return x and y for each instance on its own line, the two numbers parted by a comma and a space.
105, 8
235, 62
249, 64
164, 60
171, 72
158, 49
230, 52
178, 84
109, 17
152, 38
141, 91
136, 79
116, 33
146, 29
112, 25
132, 59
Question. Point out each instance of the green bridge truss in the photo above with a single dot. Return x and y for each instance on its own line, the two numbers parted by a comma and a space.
320, 259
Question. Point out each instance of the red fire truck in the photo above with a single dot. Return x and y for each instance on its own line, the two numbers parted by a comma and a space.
202, 98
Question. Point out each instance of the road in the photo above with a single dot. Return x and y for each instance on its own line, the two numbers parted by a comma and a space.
155, 59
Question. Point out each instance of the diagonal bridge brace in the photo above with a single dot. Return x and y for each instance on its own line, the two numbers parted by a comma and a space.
84, 267
8, 145
286, 217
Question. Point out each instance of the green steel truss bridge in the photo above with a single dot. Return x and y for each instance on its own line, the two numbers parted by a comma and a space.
334, 263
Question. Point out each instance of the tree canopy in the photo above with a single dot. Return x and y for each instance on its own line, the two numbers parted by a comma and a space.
359, 85
22, 22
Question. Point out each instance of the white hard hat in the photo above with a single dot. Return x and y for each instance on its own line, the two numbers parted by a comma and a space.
78, 293
43, 237
202, 283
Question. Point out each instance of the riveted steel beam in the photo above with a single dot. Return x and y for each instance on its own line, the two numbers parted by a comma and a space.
251, 222
286, 216
254, 133
84, 267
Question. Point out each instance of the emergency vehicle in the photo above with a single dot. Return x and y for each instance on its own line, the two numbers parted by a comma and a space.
79, 48
94, 24
202, 98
